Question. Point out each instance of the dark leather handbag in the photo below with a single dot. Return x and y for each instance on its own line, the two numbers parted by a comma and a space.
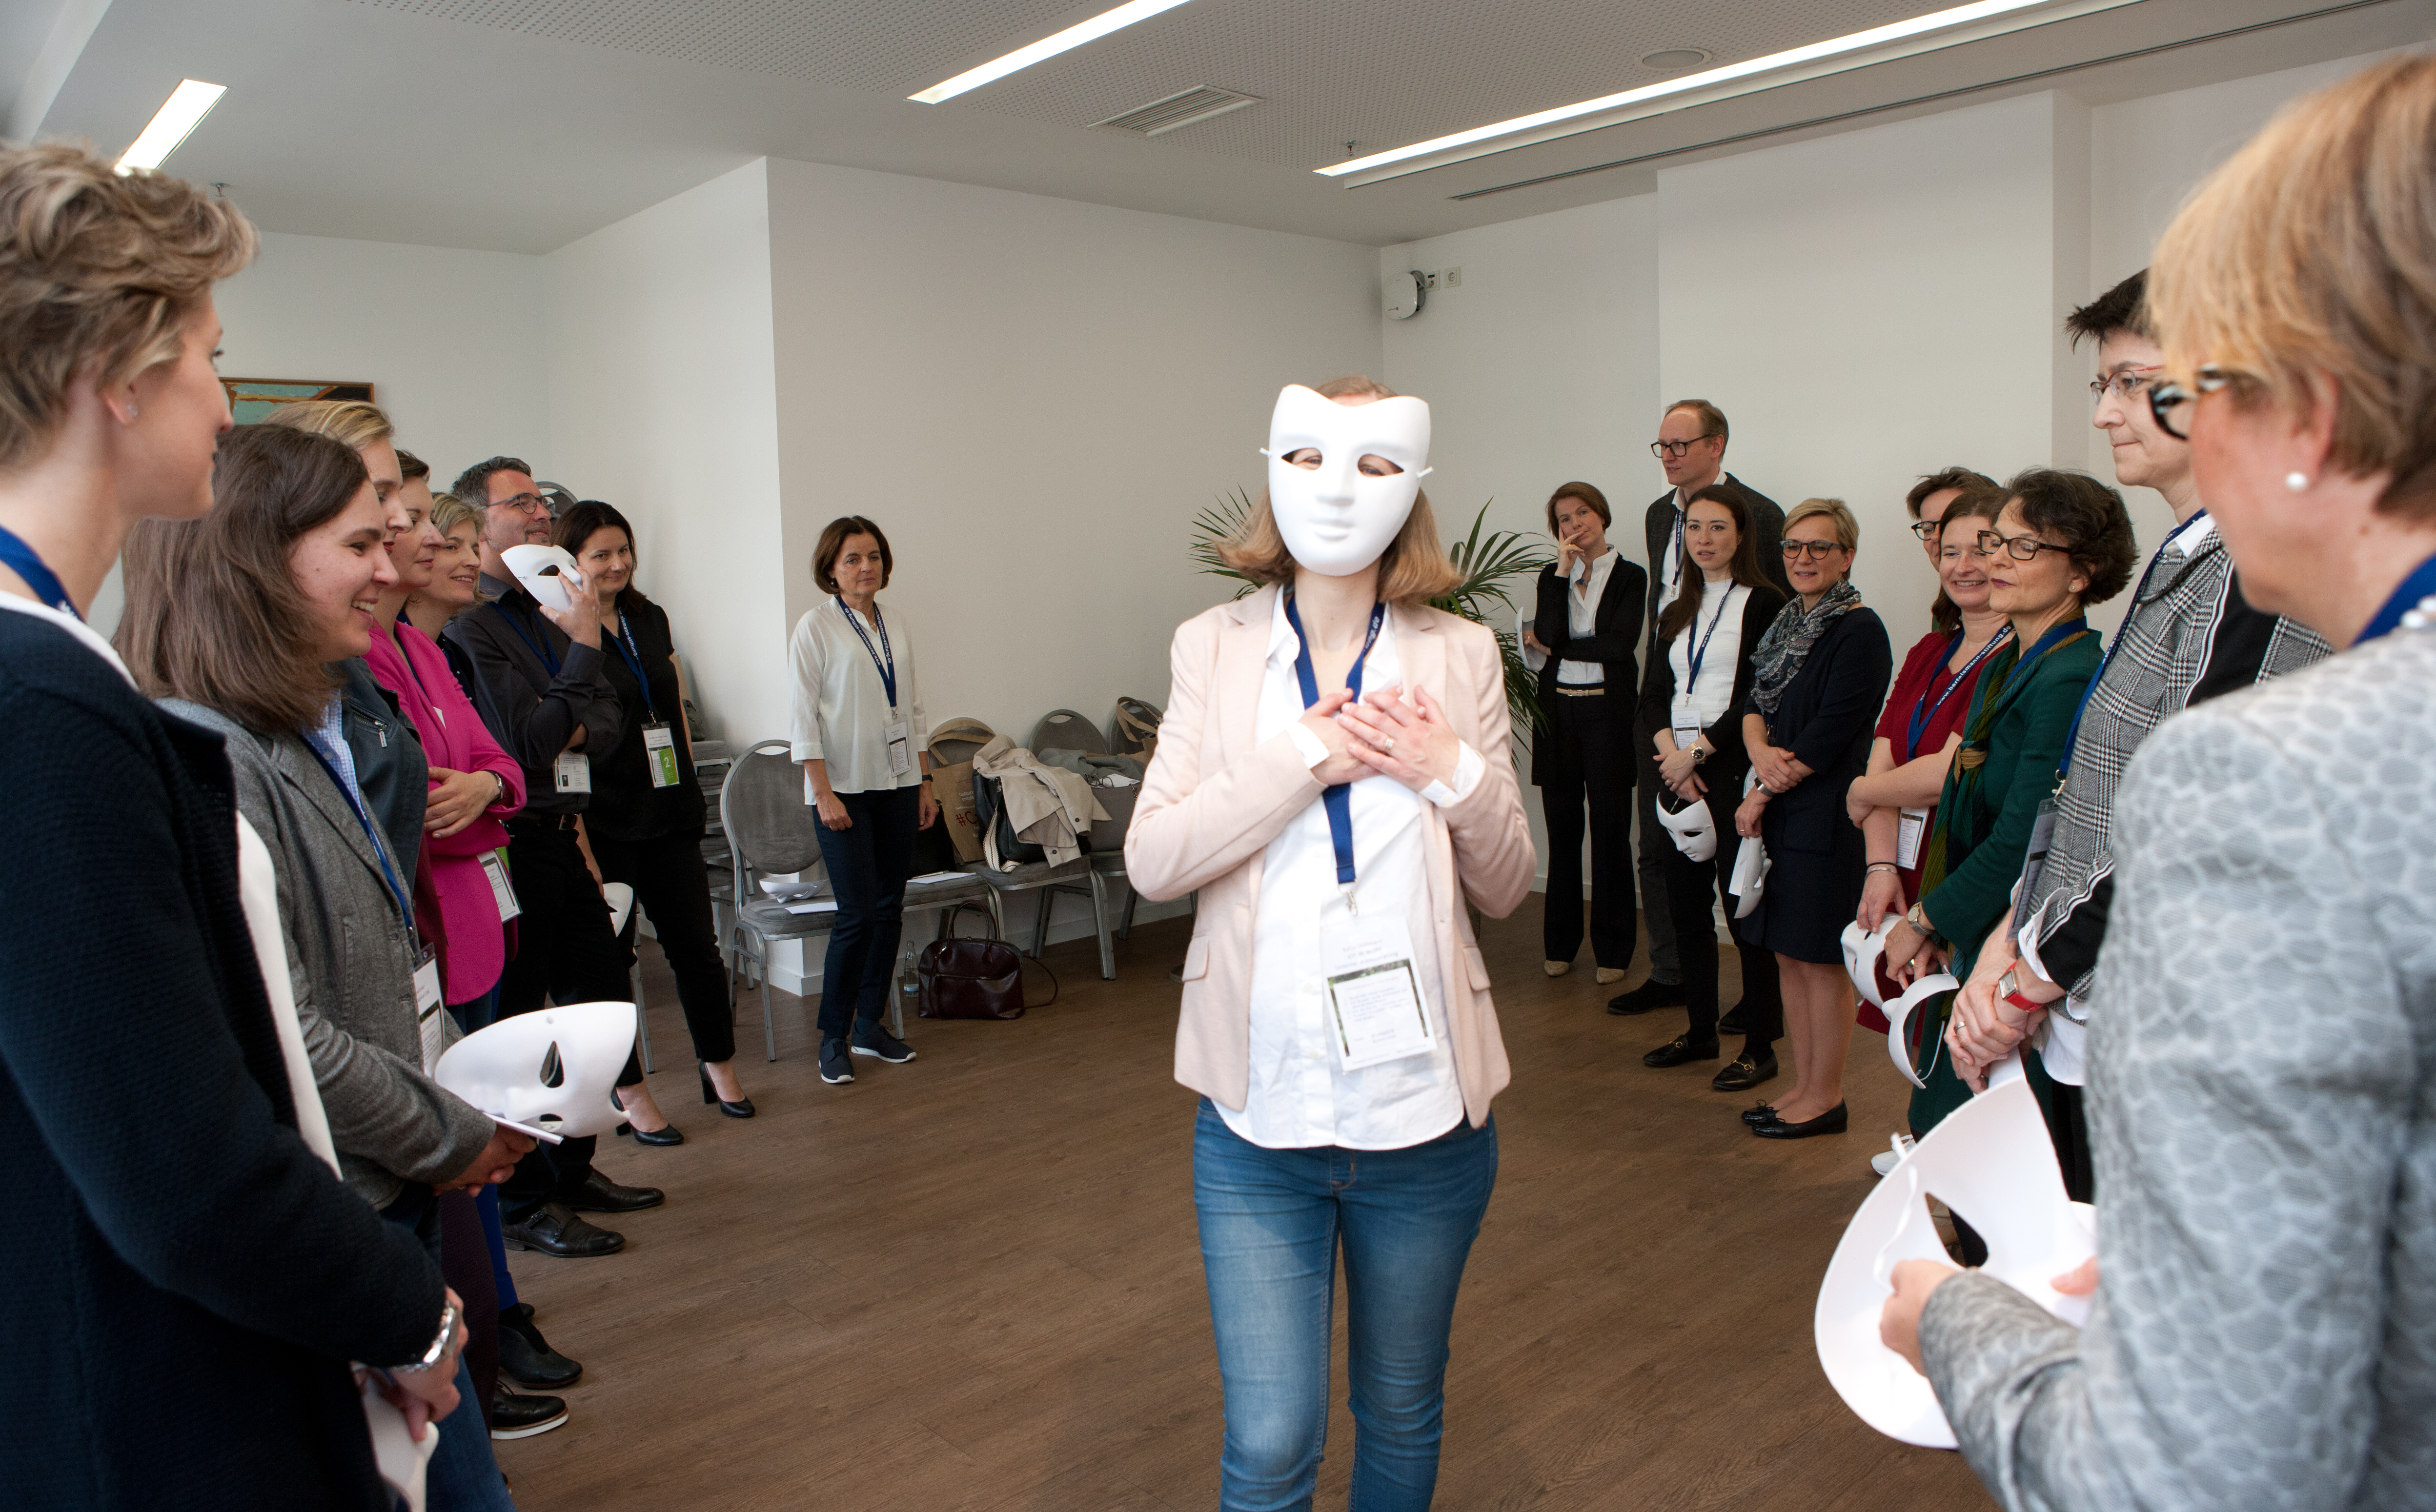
971, 978
989, 813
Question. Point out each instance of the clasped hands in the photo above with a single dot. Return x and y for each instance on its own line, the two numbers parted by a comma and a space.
1984, 1027
1385, 732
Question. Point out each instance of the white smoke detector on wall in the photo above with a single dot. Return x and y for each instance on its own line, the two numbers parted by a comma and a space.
1405, 293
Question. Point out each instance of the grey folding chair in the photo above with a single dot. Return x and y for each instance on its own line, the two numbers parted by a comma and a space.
770, 830
1065, 730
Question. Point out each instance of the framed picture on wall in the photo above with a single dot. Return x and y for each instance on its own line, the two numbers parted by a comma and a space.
250, 399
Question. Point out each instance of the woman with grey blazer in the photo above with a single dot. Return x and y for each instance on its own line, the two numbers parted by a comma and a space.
2263, 1044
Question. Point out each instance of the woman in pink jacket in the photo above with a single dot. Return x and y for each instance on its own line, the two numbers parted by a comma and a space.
1332, 775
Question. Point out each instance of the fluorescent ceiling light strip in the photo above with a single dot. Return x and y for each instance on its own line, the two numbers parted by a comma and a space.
176, 118
1047, 48
1834, 46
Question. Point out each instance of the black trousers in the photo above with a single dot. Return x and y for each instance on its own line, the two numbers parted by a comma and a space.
1665, 962
1691, 886
1589, 764
673, 886
565, 952
868, 862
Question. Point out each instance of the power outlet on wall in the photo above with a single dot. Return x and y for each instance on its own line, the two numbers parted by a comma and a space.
1443, 278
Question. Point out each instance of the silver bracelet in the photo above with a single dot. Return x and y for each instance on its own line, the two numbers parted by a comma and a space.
438, 1349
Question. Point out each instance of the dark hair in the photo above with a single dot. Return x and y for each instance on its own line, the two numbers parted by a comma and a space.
212, 613
2124, 307
1938, 482
572, 529
1588, 495
473, 485
1713, 420
833, 538
2091, 518
1745, 565
411, 467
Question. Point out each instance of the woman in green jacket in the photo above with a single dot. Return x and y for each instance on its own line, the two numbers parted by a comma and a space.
2062, 542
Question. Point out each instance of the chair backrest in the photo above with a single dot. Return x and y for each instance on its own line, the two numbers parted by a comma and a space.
1132, 725
762, 808
956, 740
1065, 730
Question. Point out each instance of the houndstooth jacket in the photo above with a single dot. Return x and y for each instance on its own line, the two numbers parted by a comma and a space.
2187, 638
2262, 1103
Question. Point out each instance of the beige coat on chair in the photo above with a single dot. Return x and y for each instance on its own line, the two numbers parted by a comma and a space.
1213, 800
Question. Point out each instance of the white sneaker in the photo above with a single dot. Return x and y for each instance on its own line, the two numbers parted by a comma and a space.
1884, 1161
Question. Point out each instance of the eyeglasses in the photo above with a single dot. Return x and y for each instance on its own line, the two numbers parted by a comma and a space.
1925, 530
523, 504
2166, 398
1677, 448
2122, 385
1813, 550
2020, 548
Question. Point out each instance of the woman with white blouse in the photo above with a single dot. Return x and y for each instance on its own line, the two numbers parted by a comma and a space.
1332, 777
857, 729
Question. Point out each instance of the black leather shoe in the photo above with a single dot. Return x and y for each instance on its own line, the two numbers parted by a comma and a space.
1647, 996
1733, 1022
741, 1108
667, 1134
599, 1194
1758, 1113
1679, 1051
553, 1229
515, 1414
1831, 1121
1742, 1073
525, 1355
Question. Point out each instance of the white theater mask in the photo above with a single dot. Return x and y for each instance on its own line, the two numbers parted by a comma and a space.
1336, 517
549, 1072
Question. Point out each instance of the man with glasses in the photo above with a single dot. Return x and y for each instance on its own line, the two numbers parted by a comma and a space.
1691, 445
538, 684
2187, 637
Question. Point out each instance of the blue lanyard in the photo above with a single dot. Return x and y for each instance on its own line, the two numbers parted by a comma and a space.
389, 873
2072, 735
1926, 710
1700, 653
46, 584
1338, 800
541, 649
887, 669
2421, 584
625, 640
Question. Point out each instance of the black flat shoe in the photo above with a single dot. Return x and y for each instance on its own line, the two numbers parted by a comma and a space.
554, 1229
741, 1108
1733, 1021
1647, 996
1757, 1113
599, 1194
667, 1134
1831, 1121
1680, 1051
1742, 1073
527, 1358
515, 1414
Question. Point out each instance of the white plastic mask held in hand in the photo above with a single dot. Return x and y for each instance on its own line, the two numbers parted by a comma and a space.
1334, 519
548, 1072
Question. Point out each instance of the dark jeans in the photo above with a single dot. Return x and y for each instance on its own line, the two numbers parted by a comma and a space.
463, 1475
1665, 960
1589, 762
868, 862
673, 886
1690, 886
1271, 1222
565, 952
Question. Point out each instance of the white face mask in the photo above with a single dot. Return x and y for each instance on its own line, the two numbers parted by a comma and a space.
1334, 520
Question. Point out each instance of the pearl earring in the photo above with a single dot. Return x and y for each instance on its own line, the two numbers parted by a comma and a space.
2297, 482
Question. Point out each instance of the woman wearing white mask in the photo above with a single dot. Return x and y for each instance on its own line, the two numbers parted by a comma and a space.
1332, 777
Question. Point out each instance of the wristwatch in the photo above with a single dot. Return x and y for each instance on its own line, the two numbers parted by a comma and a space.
1918, 918
1698, 755
2008, 989
438, 1349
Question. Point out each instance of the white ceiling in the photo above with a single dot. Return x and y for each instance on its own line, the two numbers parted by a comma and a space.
520, 124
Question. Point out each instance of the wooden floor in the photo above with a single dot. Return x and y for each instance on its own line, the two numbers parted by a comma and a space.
972, 1282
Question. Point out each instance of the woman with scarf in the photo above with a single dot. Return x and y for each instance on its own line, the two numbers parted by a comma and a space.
1818, 675
2062, 542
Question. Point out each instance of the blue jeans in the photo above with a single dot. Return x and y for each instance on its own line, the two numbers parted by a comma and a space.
868, 862
1270, 1224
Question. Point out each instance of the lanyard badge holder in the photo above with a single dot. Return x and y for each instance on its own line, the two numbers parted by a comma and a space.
1687, 714
1374, 998
883, 660
430, 1023
659, 740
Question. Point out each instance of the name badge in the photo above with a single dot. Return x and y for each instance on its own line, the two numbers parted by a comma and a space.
1374, 998
428, 1021
1687, 736
1911, 827
900, 751
660, 753
572, 771
503, 892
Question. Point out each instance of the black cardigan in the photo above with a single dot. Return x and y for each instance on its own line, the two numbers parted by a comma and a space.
624, 804
188, 1280
1732, 757
1827, 719
1615, 627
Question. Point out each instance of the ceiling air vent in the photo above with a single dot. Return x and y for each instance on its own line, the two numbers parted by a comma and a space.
1196, 104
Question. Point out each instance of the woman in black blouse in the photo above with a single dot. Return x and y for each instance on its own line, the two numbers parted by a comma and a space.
645, 822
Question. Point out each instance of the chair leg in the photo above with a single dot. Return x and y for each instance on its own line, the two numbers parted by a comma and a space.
1040, 923
1125, 930
1100, 924
642, 1019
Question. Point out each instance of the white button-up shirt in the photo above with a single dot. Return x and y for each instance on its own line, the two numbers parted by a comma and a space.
1705, 703
1301, 1094
841, 711
1583, 588
1670, 570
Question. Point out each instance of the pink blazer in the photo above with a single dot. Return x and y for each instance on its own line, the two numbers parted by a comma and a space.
454, 910
1213, 800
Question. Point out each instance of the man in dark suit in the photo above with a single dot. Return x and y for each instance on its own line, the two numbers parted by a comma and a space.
1691, 445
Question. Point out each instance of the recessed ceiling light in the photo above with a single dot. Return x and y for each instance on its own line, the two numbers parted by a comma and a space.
179, 116
1072, 37
1668, 60
1877, 37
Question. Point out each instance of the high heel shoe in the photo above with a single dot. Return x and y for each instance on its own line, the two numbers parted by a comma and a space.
741, 1108
665, 1135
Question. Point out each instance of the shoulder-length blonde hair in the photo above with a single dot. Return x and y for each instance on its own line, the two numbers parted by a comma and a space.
1414, 569
2313, 251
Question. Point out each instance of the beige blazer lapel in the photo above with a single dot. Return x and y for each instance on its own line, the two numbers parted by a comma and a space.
1243, 662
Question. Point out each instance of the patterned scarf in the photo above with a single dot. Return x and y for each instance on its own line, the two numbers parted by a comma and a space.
1787, 641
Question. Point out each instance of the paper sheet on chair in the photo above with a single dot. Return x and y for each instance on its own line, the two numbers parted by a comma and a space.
824, 905
934, 878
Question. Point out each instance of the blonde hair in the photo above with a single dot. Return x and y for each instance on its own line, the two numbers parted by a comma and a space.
97, 270
354, 423
449, 512
1415, 569
2313, 251
1848, 530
